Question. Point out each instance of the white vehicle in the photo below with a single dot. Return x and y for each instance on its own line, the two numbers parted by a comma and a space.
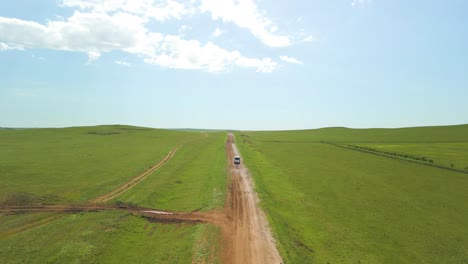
237, 160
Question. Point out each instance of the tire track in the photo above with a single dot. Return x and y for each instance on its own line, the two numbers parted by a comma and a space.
135, 180
30, 225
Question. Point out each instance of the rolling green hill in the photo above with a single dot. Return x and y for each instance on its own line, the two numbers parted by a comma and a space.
458, 133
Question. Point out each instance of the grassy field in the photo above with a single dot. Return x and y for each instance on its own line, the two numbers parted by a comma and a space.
73, 165
333, 205
77, 164
439, 134
104, 237
194, 179
326, 204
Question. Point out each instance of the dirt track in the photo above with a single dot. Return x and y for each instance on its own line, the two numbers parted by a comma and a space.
135, 180
246, 234
149, 213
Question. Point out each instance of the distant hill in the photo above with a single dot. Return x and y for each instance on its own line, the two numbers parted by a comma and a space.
198, 130
457, 133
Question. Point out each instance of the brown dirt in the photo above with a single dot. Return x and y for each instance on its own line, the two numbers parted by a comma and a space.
244, 226
214, 217
250, 239
135, 180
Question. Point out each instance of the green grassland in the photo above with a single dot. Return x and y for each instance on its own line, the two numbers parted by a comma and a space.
438, 134
329, 204
73, 165
194, 179
16, 223
104, 237
77, 164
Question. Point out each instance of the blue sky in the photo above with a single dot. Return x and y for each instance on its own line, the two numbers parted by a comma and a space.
237, 64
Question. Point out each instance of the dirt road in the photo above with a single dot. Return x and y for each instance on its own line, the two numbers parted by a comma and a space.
251, 240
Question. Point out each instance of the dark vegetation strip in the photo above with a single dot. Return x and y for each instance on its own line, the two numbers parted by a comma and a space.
355, 141
397, 156
290, 141
148, 213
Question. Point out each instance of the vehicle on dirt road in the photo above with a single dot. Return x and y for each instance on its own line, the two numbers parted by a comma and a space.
237, 160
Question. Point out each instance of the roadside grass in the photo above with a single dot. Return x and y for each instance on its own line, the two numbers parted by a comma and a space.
332, 205
70, 165
194, 179
206, 248
101, 237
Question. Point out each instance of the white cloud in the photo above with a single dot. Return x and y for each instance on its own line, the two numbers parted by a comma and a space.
360, 3
217, 32
85, 32
245, 14
93, 55
160, 10
290, 60
96, 33
123, 63
183, 29
265, 65
97, 27
191, 54
309, 39
5, 47
34, 56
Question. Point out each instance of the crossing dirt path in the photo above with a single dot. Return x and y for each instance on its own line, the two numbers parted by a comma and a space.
217, 218
246, 234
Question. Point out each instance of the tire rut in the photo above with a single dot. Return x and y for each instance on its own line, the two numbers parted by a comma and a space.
135, 180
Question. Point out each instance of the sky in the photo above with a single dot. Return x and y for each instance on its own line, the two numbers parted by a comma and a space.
233, 64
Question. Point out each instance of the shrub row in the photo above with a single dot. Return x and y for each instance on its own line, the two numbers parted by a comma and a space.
406, 156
